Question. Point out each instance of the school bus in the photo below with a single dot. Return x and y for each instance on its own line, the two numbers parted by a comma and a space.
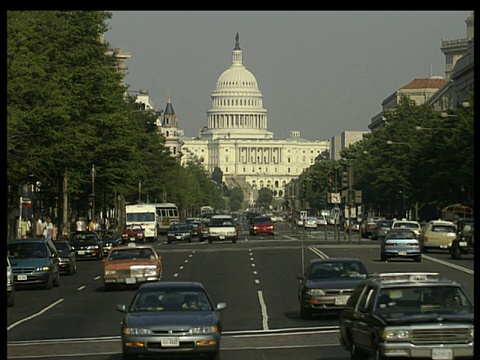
456, 211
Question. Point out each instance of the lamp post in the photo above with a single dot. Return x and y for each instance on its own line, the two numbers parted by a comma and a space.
390, 142
93, 173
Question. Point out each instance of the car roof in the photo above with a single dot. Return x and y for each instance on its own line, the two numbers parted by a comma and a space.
409, 279
137, 246
441, 222
335, 259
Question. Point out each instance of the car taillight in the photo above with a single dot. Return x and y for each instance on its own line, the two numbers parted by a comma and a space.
141, 235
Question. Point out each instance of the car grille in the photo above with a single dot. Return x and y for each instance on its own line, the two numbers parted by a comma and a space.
444, 336
338, 291
23, 270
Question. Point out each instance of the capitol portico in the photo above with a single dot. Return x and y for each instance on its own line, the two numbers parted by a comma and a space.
236, 139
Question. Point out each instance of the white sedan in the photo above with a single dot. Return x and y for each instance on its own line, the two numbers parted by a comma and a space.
310, 223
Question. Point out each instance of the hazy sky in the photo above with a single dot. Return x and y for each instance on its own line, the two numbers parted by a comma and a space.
320, 72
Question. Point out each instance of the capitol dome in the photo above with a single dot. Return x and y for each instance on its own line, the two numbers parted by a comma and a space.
237, 110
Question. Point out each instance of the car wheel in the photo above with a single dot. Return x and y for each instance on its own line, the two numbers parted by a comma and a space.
234, 240
49, 283
356, 353
305, 313
108, 287
455, 252
209, 241
383, 257
56, 282
11, 299
418, 259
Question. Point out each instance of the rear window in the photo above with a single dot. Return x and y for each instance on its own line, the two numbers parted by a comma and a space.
262, 220
443, 228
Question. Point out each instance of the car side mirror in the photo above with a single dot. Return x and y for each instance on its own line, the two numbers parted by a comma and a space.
121, 308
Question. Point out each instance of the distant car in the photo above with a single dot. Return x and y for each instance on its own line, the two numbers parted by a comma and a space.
34, 262
159, 322
381, 228
179, 232
408, 315
133, 233
194, 224
400, 243
131, 265
222, 228
300, 222
203, 230
322, 220
262, 225
408, 224
110, 239
66, 256
464, 242
310, 223
437, 235
367, 225
10, 285
327, 284
87, 245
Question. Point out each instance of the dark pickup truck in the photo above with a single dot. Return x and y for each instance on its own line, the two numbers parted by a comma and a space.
464, 242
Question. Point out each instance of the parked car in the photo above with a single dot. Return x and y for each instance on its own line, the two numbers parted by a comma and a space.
381, 228
407, 224
400, 243
179, 232
66, 257
327, 283
262, 225
10, 285
133, 233
110, 239
194, 224
367, 225
35, 262
131, 265
87, 245
203, 230
408, 315
156, 323
438, 235
322, 220
310, 223
464, 241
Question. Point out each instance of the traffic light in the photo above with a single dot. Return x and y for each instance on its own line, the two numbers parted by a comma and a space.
344, 179
331, 178
304, 187
90, 201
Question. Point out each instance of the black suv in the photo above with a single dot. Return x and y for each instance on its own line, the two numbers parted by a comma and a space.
409, 315
464, 241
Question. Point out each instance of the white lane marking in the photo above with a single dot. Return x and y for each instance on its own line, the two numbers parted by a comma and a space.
446, 263
263, 306
81, 288
97, 277
35, 315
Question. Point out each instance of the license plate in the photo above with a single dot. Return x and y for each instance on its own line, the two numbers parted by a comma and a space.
341, 300
81, 252
402, 253
130, 280
21, 277
178, 236
170, 342
441, 353
132, 239
222, 237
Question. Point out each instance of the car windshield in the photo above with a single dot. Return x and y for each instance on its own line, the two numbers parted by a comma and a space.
171, 300
26, 250
401, 235
443, 228
401, 301
131, 254
337, 270
84, 237
221, 222
181, 227
262, 220
61, 246
406, 225
384, 223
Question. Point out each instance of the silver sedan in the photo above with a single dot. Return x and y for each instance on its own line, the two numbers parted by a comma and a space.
400, 244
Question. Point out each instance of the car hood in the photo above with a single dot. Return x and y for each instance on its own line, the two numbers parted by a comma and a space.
347, 283
122, 264
30, 262
435, 317
170, 319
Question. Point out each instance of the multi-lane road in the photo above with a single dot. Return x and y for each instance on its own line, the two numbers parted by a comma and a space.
256, 277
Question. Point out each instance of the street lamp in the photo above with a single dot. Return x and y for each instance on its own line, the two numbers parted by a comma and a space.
390, 142
93, 173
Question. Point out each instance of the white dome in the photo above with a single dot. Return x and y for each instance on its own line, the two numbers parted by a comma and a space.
238, 78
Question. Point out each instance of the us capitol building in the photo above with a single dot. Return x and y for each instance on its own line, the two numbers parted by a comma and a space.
237, 142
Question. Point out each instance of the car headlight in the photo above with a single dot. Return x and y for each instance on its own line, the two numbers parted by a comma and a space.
392, 334
136, 331
110, 272
203, 330
43, 268
150, 271
315, 292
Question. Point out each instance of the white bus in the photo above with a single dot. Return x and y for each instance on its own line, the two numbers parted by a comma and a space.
167, 214
145, 215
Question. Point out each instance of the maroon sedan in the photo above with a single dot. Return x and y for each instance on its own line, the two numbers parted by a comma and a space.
133, 233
